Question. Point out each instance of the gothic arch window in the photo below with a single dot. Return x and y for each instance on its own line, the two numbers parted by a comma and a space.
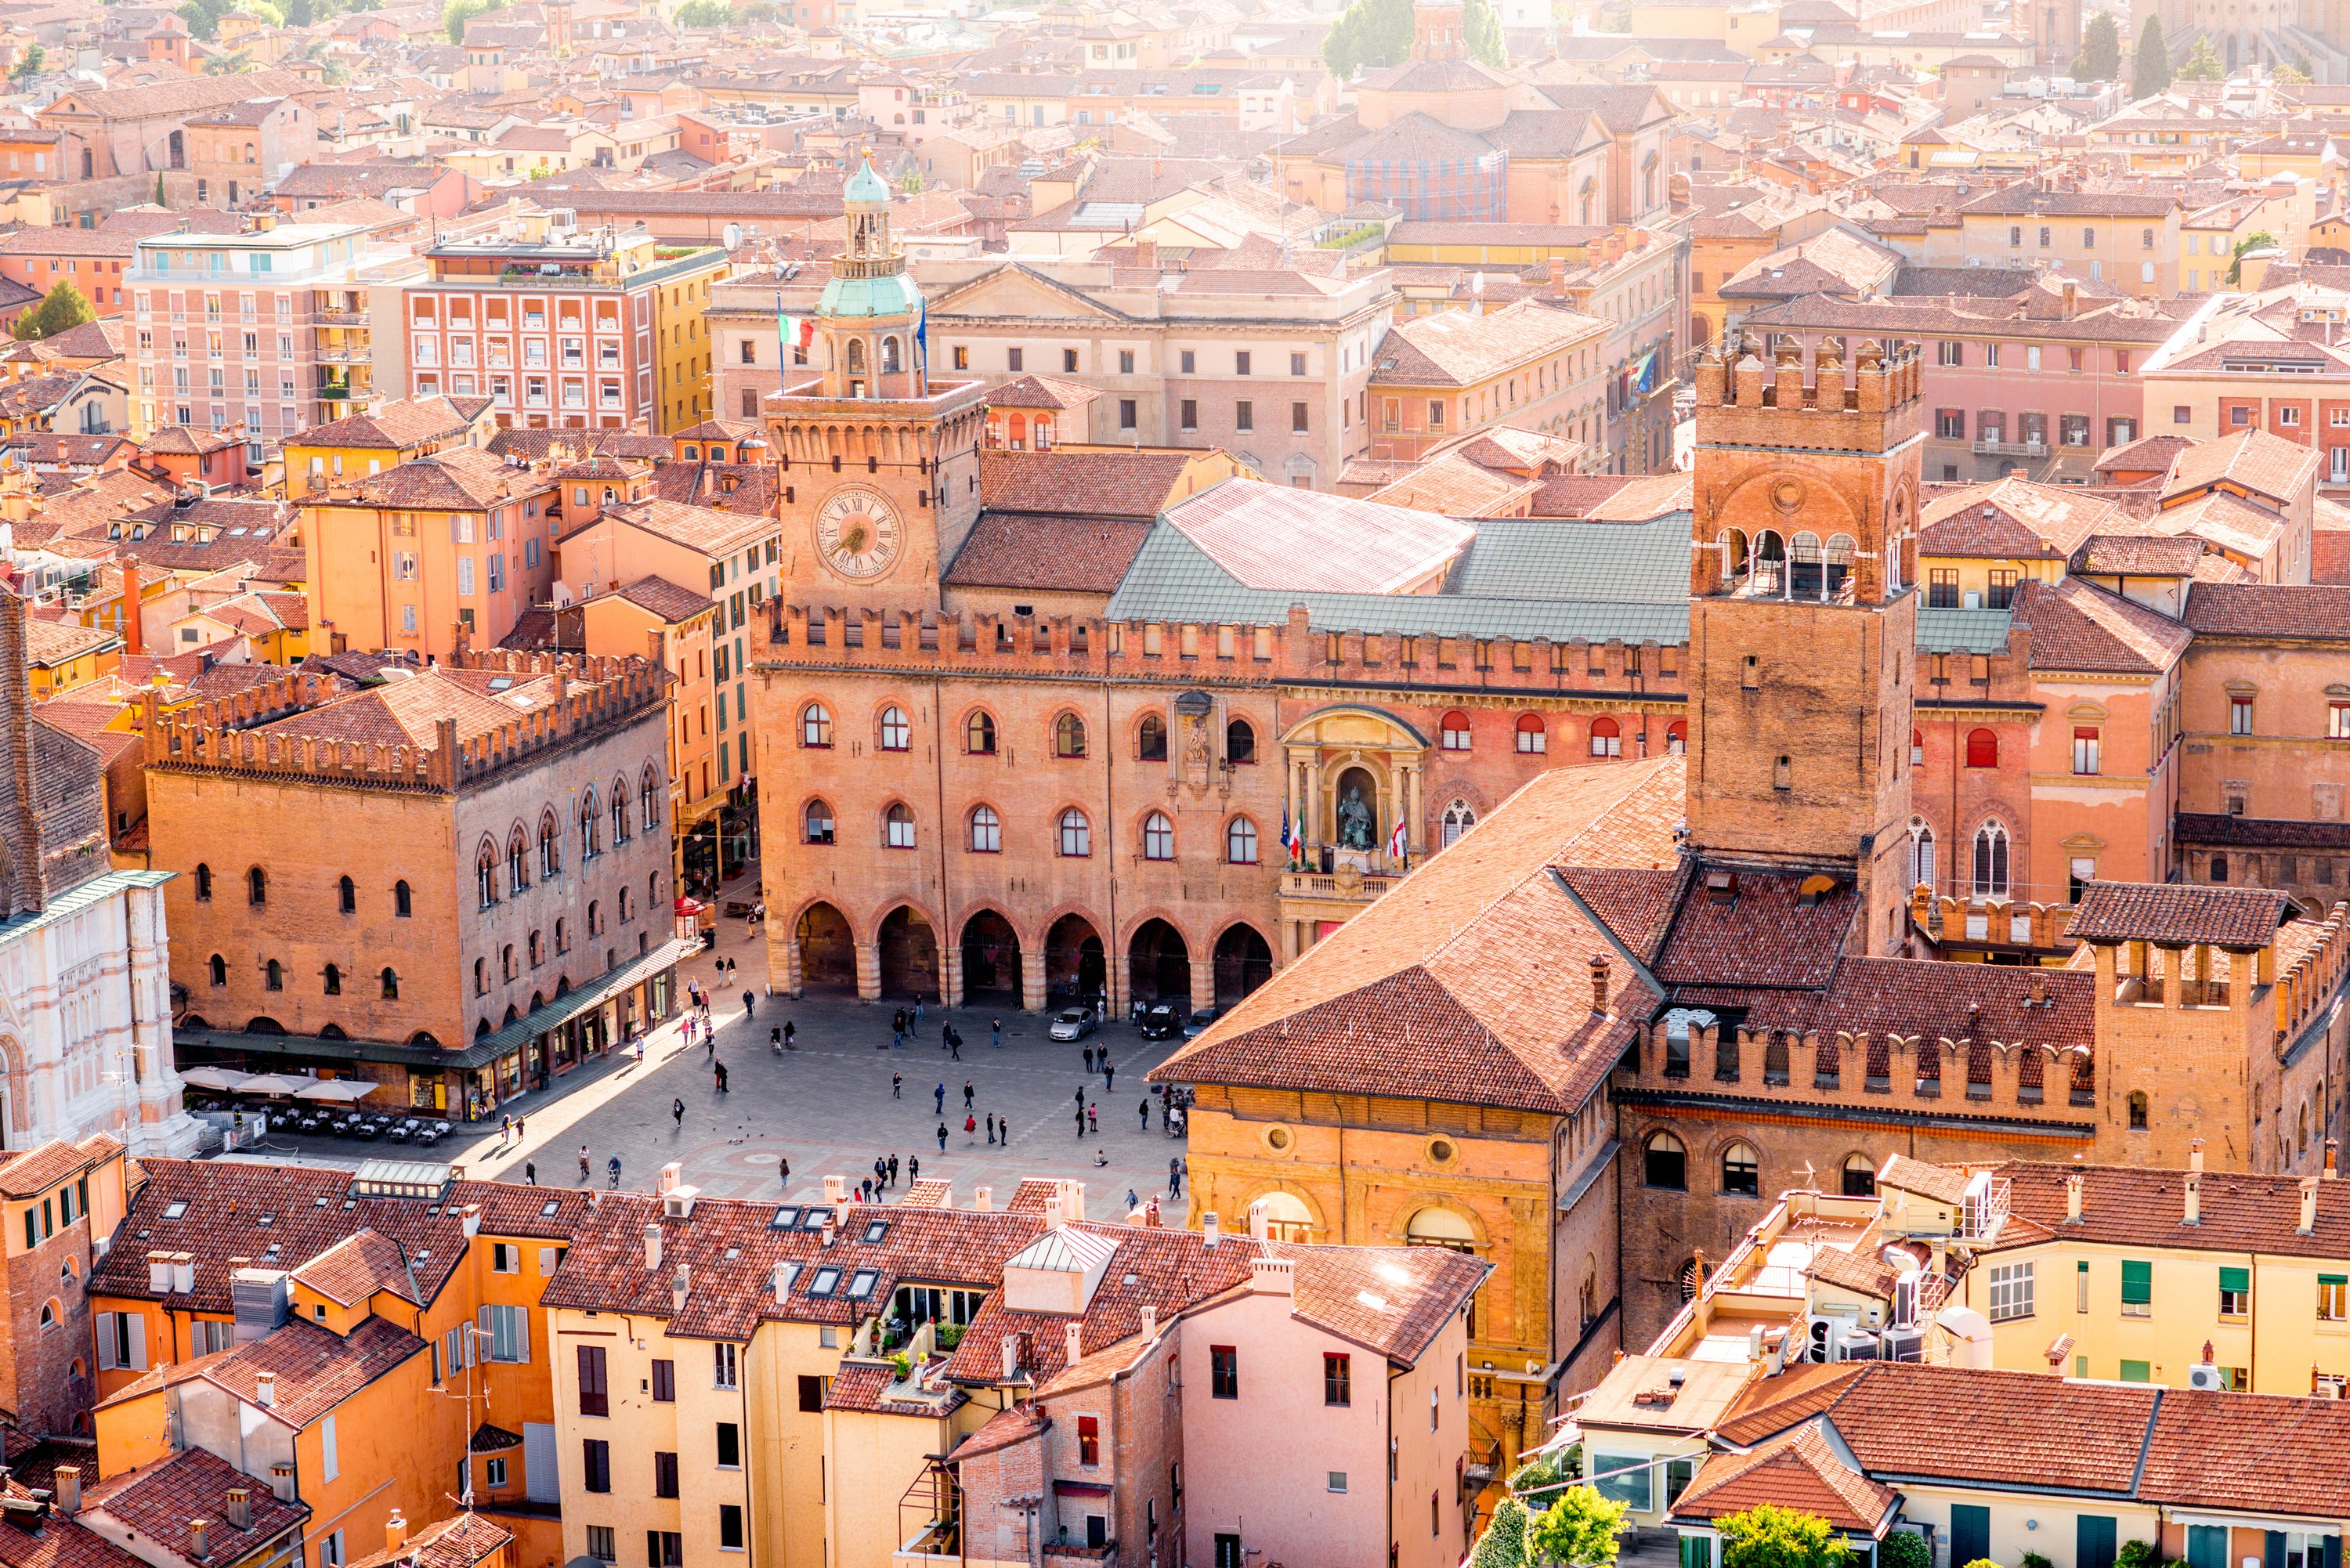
1068, 736
1991, 880
1150, 739
550, 846
648, 799
1664, 1163
403, 903
1459, 818
979, 733
1983, 748
537, 949
897, 734
480, 976
1239, 841
346, 896
518, 861
507, 961
1742, 1171
334, 979
1240, 742
898, 826
891, 364
203, 883
1921, 853
816, 823
273, 975
485, 874
986, 831
816, 726
1158, 836
390, 979
619, 812
591, 827
1077, 835
256, 887
219, 967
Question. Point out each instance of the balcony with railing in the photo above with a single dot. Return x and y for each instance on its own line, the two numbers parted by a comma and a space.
1999, 446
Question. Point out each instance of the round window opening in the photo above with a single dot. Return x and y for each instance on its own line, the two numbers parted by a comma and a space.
1439, 1149
1277, 1137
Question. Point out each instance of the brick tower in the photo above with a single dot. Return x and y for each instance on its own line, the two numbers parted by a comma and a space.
880, 466
1803, 619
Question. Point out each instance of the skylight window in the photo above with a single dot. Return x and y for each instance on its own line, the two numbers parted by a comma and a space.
876, 1229
826, 1280
549, 1207
176, 1211
862, 1283
813, 1219
787, 1217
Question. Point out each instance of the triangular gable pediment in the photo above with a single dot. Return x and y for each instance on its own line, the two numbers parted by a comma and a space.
1013, 290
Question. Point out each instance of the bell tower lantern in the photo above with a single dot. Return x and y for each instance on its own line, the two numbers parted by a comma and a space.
1803, 615
869, 326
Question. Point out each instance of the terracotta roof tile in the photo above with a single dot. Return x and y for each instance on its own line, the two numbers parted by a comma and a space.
357, 1267
2137, 556
2256, 460
1068, 554
316, 1368
2252, 1452
2241, 917
2126, 1206
2077, 624
401, 423
460, 1540
2267, 610
1800, 1470
157, 1502
1134, 485
33, 1171
1762, 934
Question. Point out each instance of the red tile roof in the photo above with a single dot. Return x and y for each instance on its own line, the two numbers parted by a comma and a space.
2268, 610
1762, 935
2243, 918
157, 1502
2077, 624
1066, 554
460, 1540
2255, 460
317, 1369
2126, 1206
1800, 1470
1136, 486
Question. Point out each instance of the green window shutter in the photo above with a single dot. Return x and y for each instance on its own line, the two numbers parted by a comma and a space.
2137, 1284
2137, 1372
2334, 1279
2236, 1280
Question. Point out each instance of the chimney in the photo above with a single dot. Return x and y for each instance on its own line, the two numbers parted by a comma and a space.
134, 635
680, 1285
2332, 1148
1073, 1339
1273, 1276
2308, 1205
1011, 1356
782, 1280
2194, 1155
2194, 1198
836, 1189
1558, 277
982, 1199
159, 1273
196, 1547
1146, 254
281, 1481
1150, 1325
1209, 1229
2037, 988
67, 1486
652, 1247
264, 1392
670, 1175
830, 1226
395, 1532
1053, 1220
1599, 984
472, 1221
2072, 1183
1260, 1221
2072, 300
240, 1505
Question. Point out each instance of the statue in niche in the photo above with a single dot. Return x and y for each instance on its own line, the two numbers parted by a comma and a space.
1355, 830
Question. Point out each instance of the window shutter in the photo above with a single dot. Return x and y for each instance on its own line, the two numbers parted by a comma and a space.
2137, 1284
2337, 1280
522, 1334
136, 1340
109, 1325
2236, 1280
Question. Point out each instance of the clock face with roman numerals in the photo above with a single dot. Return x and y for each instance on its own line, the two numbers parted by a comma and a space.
859, 532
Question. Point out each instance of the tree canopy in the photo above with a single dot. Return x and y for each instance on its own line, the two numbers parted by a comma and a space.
457, 12
1503, 1545
36, 59
60, 310
705, 13
2100, 59
1578, 1530
1768, 1536
2151, 73
1374, 34
2203, 63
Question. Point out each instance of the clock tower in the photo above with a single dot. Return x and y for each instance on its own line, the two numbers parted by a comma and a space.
880, 466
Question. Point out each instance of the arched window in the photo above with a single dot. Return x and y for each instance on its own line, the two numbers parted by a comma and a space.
889, 361
591, 828
274, 975
1150, 739
649, 800
1239, 841
816, 823
518, 862
595, 917
562, 937
1606, 738
1921, 854
857, 356
1077, 833
897, 735
48, 1314
979, 733
1664, 1163
550, 846
897, 827
256, 887
1458, 819
2137, 1110
537, 950
1068, 736
1991, 859
1676, 737
1240, 742
334, 980
625, 911
1859, 1177
346, 896
203, 883
485, 874
402, 904
619, 813
507, 961
1454, 729
1742, 1171
1439, 1227
219, 967
986, 831
1158, 837
815, 725
1983, 748
480, 976
1533, 739
390, 984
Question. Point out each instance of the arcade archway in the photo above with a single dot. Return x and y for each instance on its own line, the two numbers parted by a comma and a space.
1158, 965
991, 959
827, 949
908, 951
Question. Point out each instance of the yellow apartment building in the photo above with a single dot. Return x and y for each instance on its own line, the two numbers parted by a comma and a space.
392, 433
63, 655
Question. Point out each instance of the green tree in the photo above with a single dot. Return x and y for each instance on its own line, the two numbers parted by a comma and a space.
457, 12
1375, 34
2203, 63
2290, 75
2152, 74
203, 16
705, 13
2100, 59
1503, 1545
36, 59
912, 183
160, 200
1578, 1530
61, 310
2251, 242
300, 13
1482, 26
1903, 1549
1768, 1536
2140, 1554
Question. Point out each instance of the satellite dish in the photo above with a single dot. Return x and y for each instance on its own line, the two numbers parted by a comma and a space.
734, 236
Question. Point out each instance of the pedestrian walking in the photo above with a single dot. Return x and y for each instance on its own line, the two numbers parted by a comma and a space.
750, 1003
880, 1169
1109, 1074
710, 1044
722, 1078
864, 1190
946, 1034
1093, 1116
783, 1170
898, 1021
1004, 1131
1146, 1113
939, 1108
942, 1138
1081, 1124
998, 1026
1081, 1097
918, 1010
966, 1094
913, 1168
897, 1086
791, 1032
612, 1169
583, 1162
519, 1135
529, 1173
893, 1170
954, 1046
775, 1041
677, 1112
990, 1127
1175, 1177
1089, 1058
898, 1039
970, 1126
505, 1130
1132, 1201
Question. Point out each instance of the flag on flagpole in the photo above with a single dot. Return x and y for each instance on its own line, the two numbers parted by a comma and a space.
1398, 849
1285, 827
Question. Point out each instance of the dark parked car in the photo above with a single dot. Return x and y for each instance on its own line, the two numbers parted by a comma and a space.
1162, 1022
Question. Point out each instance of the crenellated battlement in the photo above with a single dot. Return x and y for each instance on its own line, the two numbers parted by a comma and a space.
586, 695
2311, 983
1871, 405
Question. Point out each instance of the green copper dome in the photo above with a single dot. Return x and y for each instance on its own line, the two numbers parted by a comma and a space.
890, 293
865, 186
